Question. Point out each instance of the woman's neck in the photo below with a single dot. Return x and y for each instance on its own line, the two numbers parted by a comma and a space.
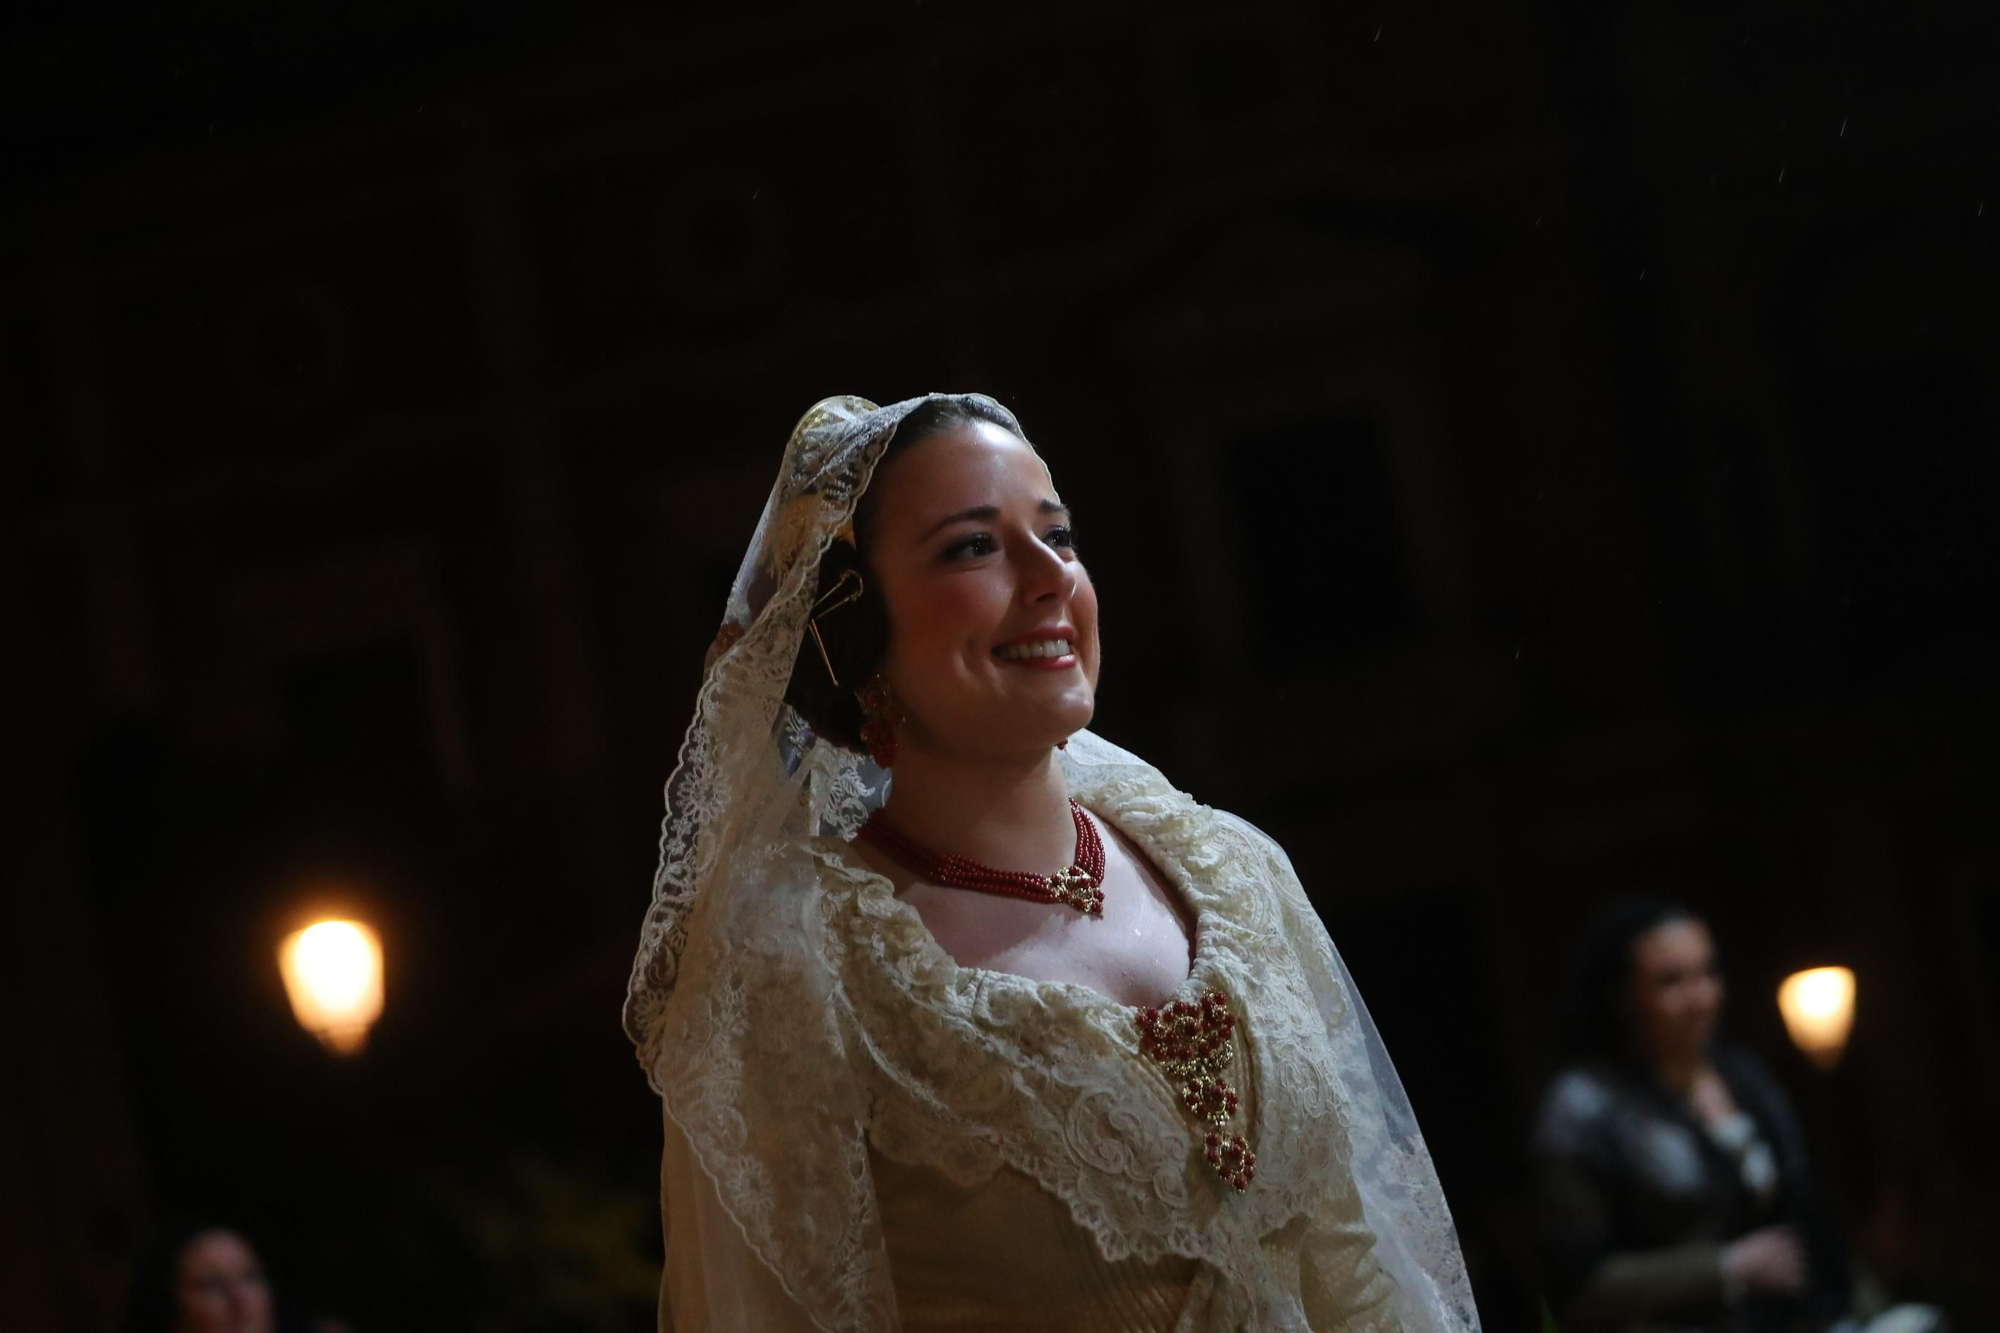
1679, 1071
1676, 1074
1010, 815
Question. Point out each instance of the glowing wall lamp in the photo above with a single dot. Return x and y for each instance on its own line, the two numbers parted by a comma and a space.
333, 974
1818, 1005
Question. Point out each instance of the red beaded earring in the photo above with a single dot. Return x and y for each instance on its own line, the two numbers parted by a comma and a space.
878, 733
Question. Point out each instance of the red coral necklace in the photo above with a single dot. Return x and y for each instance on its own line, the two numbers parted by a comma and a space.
1077, 885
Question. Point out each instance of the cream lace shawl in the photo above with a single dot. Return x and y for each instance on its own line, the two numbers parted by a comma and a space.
831, 1019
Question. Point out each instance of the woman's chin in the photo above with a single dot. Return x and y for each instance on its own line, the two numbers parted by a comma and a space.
1048, 733
1075, 718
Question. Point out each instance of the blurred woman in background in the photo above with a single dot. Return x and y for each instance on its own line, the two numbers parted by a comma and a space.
1673, 1189
202, 1277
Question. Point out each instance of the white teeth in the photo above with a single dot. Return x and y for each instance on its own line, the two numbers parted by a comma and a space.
1018, 652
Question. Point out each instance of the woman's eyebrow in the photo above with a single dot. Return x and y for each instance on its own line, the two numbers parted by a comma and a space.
981, 513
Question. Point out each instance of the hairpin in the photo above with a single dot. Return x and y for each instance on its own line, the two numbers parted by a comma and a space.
825, 604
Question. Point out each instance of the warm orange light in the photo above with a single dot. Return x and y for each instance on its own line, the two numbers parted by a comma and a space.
333, 974
1818, 1005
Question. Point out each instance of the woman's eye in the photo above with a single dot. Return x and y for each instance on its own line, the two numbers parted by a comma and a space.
978, 544
1063, 537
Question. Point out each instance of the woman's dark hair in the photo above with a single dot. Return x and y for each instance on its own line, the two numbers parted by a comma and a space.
857, 635
1596, 1027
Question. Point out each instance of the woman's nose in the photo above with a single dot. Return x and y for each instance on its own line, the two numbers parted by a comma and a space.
1046, 574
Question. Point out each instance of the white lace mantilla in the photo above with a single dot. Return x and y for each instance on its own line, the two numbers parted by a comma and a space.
821, 1016
791, 1012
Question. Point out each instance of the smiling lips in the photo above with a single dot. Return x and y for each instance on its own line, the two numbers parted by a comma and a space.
1051, 652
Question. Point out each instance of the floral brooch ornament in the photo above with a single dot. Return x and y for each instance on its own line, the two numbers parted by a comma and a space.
1194, 1041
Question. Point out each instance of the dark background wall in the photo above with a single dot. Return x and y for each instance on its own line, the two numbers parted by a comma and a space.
1525, 453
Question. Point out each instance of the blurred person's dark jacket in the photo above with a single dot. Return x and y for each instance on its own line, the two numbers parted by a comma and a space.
1635, 1201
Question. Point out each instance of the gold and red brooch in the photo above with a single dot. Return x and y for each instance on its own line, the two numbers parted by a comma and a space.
1194, 1041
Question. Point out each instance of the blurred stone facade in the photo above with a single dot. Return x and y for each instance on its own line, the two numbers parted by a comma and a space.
1519, 460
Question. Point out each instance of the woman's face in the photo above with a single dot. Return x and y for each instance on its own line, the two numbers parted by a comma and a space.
1676, 993
992, 619
221, 1287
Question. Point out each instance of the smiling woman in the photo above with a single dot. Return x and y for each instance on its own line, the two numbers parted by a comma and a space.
963, 1017
855, 638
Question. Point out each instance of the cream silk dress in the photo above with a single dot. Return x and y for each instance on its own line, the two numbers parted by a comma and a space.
1030, 1167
